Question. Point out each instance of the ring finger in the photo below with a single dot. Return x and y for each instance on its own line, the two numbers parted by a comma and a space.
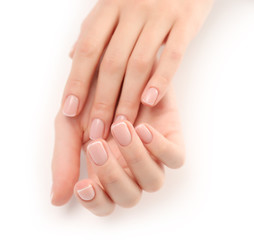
139, 67
147, 172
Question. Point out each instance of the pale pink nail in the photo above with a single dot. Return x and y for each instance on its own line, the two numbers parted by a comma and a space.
97, 152
150, 96
86, 193
70, 108
122, 133
144, 133
120, 118
97, 129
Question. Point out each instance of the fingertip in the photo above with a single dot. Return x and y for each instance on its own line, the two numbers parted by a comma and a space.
93, 198
85, 190
58, 199
150, 96
71, 106
144, 133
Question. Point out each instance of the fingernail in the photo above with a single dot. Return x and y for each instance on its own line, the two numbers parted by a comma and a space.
70, 108
120, 118
144, 133
97, 152
97, 129
150, 96
86, 193
122, 133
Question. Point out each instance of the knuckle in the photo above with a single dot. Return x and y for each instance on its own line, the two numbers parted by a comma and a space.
155, 185
144, 5
102, 106
176, 54
127, 105
88, 47
131, 201
162, 79
109, 176
139, 62
111, 63
108, 2
75, 84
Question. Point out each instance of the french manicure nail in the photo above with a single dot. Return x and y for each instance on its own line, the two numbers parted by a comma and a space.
97, 129
86, 193
144, 133
97, 152
70, 108
122, 133
150, 96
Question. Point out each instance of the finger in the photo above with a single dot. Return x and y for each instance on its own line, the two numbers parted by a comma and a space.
139, 67
171, 57
165, 149
92, 197
71, 54
66, 160
111, 74
96, 32
118, 185
147, 172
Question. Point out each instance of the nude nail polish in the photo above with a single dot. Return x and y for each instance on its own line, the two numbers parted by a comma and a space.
86, 193
97, 153
144, 133
97, 129
70, 108
121, 133
150, 96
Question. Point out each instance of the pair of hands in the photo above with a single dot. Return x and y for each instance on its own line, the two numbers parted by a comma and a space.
128, 34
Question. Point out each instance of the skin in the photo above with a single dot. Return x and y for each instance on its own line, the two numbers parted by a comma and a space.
129, 169
125, 35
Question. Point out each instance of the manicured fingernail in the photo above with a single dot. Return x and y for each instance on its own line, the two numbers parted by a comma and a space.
150, 96
70, 108
86, 193
120, 118
97, 152
122, 133
97, 129
144, 133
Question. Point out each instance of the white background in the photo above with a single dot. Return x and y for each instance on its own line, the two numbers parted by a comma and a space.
211, 197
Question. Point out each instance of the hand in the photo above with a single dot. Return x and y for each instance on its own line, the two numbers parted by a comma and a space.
129, 33
130, 164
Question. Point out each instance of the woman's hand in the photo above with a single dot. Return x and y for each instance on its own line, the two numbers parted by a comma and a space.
129, 33
131, 160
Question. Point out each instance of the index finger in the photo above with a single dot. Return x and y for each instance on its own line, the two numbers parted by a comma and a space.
95, 34
66, 159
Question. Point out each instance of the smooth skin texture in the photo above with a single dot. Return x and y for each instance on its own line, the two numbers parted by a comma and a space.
125, 35
119, 169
